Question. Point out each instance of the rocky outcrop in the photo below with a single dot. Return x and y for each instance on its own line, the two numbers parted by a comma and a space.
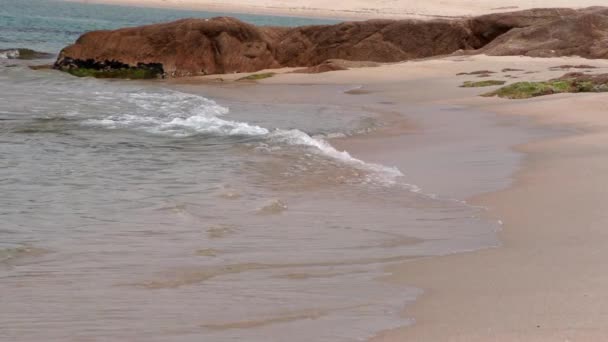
227, 45
180, 48
374, 40
574, 82
583, 33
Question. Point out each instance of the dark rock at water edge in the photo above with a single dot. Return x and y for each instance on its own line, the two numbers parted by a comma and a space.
111, 69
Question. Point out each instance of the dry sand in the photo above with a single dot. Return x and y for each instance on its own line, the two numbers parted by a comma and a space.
358, 9
548, 281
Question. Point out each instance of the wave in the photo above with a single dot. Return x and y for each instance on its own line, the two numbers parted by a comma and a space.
181, 115
299, 138
9, 54
21, 53
176, 114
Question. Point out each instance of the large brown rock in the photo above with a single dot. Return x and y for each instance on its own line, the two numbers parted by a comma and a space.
582, 33
184, 47
373, 40
227, 45
487, 27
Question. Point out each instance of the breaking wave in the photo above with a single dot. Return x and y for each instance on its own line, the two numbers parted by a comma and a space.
9, 54
182, 115
22, 53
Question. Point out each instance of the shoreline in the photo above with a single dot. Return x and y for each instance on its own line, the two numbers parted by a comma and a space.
533, 287
516, 291
462, 289
494, 232
223, 9
382, 146
347, 10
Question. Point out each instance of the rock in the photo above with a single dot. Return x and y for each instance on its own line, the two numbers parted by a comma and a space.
336, 65
487, 28
476, 72
41, 67
488, 83
580, 78
373, 40
574, 82
568, 66
575, 33
226, 45
323, 67
181, 48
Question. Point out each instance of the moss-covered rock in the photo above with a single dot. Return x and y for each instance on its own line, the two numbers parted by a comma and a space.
131, 73
111, 69
569, 83
488, 83
256, 77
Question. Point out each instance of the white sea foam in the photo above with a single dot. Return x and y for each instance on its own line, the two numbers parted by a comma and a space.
176, 114
181, 115
9, 54
297, 137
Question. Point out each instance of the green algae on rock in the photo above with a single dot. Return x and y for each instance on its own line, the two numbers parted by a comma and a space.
130, 73
111, 69
569, 83
256, 77
487, 83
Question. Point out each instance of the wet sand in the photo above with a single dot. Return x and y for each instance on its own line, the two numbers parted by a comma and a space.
288, 243
347, 261
546, 281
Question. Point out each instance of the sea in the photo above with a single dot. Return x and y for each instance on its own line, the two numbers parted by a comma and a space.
141, 211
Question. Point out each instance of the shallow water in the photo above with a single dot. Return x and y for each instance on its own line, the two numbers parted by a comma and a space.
167, 215
133, 211
134, 189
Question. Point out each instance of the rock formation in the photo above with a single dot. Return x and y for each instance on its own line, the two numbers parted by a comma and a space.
227, 45
582, 33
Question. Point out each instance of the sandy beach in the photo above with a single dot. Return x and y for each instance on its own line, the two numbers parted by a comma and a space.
356, 9
450, 217
545, 281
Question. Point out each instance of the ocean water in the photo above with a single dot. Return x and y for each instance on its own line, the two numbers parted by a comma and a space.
139, 211
49, 25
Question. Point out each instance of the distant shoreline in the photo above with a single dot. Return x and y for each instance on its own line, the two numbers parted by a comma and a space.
231, 9
352, 9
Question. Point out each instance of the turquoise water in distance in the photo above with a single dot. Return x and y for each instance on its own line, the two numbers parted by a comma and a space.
50, 25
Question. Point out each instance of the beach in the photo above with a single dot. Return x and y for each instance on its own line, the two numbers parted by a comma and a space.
543, 284
385, 202
356, 9
544, 281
